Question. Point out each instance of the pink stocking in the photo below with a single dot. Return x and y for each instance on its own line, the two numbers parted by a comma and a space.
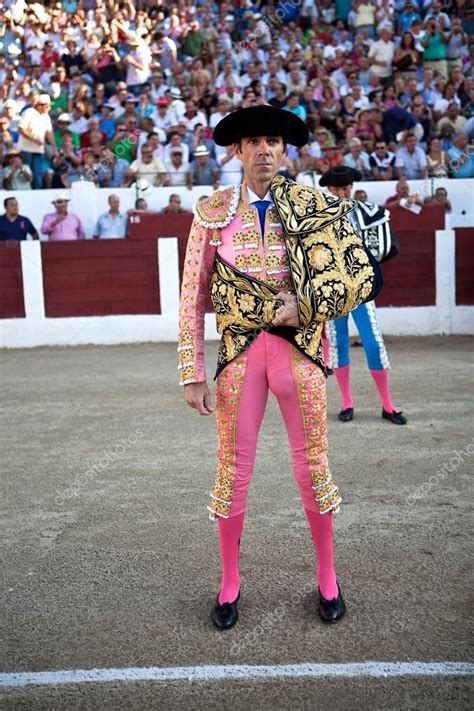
344, 382
230, 531
380, 378
321, 532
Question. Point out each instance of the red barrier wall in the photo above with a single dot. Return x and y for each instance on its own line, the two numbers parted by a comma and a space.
11, 281
464, 266
410, 277
100, 277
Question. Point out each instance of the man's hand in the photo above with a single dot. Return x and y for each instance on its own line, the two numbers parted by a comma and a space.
198, 396
287, 315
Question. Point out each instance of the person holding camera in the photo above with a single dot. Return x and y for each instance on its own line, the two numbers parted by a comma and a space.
434, 44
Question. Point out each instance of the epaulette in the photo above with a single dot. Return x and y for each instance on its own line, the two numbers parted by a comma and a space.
218, 209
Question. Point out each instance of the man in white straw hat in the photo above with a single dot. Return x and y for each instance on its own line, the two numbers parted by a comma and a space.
36, 133
61, 224
204, 169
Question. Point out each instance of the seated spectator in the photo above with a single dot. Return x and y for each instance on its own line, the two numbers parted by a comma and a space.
117, 167
112, 224
452, 117
79, 122
147, 167
176, 141
440, 198
293, 105
93, 133
461, 158
14, 226
178, 170
63, 124
437, 160
230, 166
67, 163
204, 169
174, 206
358, 158
410, 160
403, 195
95, 168
11, 113
16, 175
382, 162
106, 120
61, 224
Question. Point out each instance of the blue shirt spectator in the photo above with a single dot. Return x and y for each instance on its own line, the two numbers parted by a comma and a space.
461, 157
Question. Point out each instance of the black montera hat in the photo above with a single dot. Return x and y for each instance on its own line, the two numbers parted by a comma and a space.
340, 176
261, 121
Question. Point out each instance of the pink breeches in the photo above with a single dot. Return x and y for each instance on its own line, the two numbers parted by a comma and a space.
271, 363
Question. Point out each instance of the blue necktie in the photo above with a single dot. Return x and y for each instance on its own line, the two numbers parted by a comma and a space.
262, 207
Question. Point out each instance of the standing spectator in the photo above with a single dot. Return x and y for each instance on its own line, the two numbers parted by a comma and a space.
36, 133
410, 160
382, 162
61, 224
14, 226
381, 55
137, 62
434, 44
461, 158
174, 206
112, 224
204, 169
440, 198
16, 175
402, 195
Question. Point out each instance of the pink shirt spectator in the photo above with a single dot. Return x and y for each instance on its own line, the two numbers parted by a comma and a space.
69, 228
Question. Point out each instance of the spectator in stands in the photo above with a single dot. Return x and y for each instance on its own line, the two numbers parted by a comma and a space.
174, 206
137, 62
16, 175
437, 160
112, 224
67, 163
410, 160
141, 205
381, 56
440, 198
36, 133
147, 167
434, 45
63, 124
452, 117
10, 112
204, 169
61, 224
357, 158
177, 169
230, 166
403, 195
14, 226
461, 158
382, 162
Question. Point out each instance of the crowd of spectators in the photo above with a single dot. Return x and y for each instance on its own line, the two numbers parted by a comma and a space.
123, 92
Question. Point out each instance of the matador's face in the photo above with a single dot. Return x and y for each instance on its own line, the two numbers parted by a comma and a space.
261, 157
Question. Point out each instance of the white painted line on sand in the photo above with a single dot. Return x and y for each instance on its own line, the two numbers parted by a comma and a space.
210, 672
